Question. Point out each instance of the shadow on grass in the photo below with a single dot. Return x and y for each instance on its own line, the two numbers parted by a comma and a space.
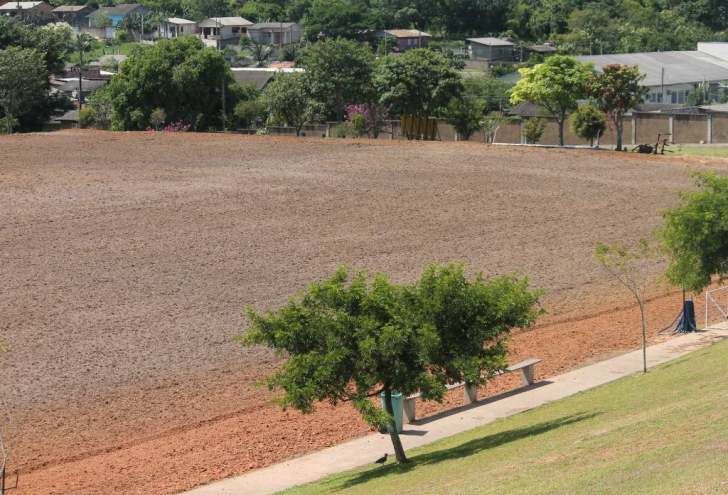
464, 450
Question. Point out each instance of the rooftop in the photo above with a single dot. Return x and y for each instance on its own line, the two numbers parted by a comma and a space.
70, 8
87, 85
225, 21
121, 9
680, 67
259, 78
178, 20
272, 25
491, 41
541, 48
20, 5
407, 33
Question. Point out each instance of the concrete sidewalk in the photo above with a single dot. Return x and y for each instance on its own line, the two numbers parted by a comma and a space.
365, 450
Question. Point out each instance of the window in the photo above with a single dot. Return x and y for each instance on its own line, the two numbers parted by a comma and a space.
678, 97
236, 30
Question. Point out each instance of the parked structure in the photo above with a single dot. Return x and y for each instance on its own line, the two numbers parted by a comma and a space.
117, 13
671, 76
173, 27
75, 15
28, 11
405, 39
275, 33
492, 50
222, 31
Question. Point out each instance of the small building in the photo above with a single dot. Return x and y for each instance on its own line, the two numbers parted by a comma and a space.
28, 11
222, 31
75, 15
275, 33
492, 50
260, 77
172, 27
405, 39
543, 50
88, 86
68, 120
118, 12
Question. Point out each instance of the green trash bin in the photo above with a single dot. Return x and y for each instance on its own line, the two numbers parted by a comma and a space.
397, 407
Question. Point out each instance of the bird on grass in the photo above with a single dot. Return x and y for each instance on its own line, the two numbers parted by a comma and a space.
381, 460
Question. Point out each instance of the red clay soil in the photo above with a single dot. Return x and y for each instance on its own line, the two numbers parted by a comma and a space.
127, 260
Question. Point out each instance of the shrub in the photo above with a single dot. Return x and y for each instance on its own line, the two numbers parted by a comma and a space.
466, 117
289, 53
533, 129
250, 114
358, 126
588, 122
157, 118
87, 117
341, 130
120, 35
375, 116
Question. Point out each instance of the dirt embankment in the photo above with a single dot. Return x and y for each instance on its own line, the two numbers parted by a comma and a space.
127, 260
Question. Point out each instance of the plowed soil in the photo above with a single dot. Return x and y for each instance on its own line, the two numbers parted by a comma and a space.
127, 260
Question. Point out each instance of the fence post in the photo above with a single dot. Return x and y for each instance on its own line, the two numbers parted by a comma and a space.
710, 129
671, 128
634, 128
523, 140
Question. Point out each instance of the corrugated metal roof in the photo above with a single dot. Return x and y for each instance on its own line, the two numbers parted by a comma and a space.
70, 8
86, 84
272, 25
225, 21
178, 20
407, 33
121, 9
259, 78
20, 5
680, 67
491, 41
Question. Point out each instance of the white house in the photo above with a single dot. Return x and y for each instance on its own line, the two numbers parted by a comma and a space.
222, 31
172, 27
275, 33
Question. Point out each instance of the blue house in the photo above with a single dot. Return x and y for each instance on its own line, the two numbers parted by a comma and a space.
117, 13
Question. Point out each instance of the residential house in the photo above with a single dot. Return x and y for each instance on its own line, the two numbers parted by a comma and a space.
275, 33
492, 50
258, 76
28, 11
173, 27
222, 31
405, 39
671, 76
117, 13
75, 15
542, 50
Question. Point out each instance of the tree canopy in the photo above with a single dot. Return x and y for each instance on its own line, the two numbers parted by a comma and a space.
23, 83
419, 82
695, 233
350, 338
179, 75
556, 85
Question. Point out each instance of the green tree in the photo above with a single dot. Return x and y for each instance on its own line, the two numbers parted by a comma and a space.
157, 118
100, 101
101, 20
350, 338
335, 18
466, 117
533, 129
489, 89
259, 52
420, 82
616, 91
695, 234
23, 82
262, 12
83, 43
556, 85
491, 123
288, 100
339, 73
86, 117
179, 75
251, 114
199, 10
631, 269
587, 122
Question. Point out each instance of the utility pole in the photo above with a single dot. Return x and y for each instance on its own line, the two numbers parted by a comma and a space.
662, 86
224, 123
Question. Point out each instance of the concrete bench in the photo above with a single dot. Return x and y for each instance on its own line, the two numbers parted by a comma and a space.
470, 393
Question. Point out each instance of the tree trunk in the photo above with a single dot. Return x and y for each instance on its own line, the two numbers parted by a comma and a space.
298, 130
396, 443
560, 121
9, 118
620, 124
644, 338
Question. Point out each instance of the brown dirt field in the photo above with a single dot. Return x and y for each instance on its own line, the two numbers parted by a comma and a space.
127, 260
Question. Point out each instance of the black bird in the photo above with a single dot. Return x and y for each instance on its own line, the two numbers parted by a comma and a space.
381, 460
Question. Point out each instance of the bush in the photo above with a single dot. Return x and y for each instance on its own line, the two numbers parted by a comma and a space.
121, 35
341, 130
358, 126
289, 53
588, 122
87, 117
466, 117
157, 118
533, 129
250, 114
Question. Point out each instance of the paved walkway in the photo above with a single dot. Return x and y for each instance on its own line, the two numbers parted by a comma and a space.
365, 450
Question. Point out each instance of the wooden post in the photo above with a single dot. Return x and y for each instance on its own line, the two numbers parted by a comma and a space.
470, 394
671, 128
709, 139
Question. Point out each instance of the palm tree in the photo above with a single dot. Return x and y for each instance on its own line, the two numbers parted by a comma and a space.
84, 43
258, 51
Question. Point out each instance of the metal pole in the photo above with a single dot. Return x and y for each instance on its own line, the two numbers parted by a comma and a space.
662, 85
224, 126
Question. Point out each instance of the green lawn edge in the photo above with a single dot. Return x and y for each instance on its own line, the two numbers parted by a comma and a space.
663, 432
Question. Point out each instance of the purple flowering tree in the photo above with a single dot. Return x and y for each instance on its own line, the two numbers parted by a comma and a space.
376, 116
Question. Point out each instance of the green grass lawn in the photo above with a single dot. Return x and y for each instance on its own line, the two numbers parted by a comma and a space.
98, 51
664, 432
718, 151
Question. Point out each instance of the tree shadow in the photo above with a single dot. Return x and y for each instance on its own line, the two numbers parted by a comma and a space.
466, 449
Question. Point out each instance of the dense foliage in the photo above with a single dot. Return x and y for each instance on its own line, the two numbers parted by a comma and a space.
695, 234
350, 338
588, 122
180, 76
